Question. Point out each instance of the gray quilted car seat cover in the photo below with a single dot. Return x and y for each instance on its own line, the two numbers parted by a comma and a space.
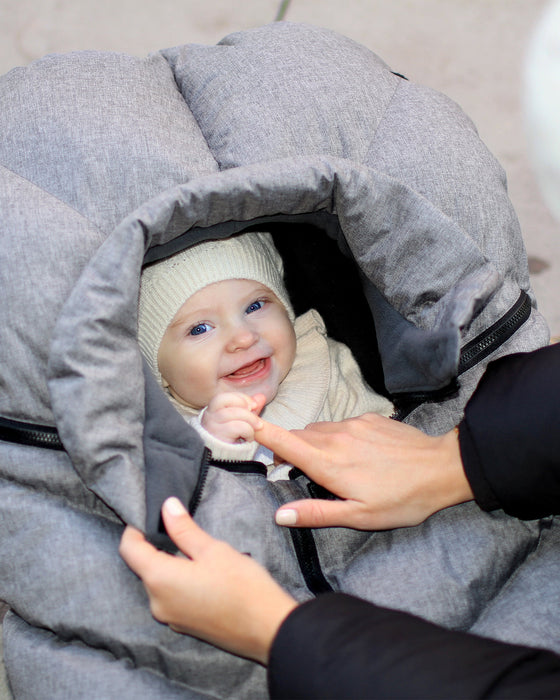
109, 162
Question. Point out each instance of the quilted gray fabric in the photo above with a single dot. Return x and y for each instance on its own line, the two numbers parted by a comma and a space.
109, 162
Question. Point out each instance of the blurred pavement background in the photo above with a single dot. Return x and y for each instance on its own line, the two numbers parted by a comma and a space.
472, 50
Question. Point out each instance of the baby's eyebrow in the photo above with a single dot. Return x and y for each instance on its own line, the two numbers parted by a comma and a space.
187, 319
176, 321
192, 317
262, 289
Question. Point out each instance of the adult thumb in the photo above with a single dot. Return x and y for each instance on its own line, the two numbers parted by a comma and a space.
185, 533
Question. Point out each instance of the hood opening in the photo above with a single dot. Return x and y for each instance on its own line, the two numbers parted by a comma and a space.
319, 275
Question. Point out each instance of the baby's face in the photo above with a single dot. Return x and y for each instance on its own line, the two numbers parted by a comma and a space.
233, 335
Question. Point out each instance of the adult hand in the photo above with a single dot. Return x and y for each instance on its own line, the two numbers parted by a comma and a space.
388, 474
215, 594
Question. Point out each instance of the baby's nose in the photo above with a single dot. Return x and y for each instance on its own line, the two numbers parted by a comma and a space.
242, 338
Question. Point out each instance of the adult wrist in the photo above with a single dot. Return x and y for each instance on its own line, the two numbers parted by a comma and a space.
455, 486
269, 625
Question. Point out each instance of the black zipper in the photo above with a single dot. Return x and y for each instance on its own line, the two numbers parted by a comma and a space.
30, 434
472, 353
490, 339
202, 476
306, 552
302, 538
308, 560
237, 467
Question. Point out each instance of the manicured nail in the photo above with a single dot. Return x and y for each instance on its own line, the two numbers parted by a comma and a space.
286, 516
173, 506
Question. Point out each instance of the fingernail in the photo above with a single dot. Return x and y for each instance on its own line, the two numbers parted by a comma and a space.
286, 516
259, 424
173, 506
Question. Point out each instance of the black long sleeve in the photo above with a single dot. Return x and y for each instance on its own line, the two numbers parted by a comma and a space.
510, 436
338, 646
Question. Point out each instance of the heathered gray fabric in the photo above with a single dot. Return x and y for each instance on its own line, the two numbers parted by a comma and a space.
101, 675
108, 161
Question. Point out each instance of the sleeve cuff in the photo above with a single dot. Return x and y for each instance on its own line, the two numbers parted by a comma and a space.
474, 470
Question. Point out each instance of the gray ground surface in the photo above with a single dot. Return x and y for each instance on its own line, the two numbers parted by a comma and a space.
472, 50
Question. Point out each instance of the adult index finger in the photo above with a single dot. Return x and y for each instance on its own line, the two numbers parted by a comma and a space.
290, 447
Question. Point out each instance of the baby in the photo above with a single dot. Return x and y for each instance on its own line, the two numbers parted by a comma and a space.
218, 330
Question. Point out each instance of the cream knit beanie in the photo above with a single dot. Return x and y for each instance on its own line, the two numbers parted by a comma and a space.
166, 285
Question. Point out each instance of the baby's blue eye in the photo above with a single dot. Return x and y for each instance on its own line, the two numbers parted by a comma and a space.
200, 329
255, 306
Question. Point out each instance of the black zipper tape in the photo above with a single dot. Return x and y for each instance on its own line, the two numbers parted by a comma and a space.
302, 538
236, 467
202, 476
30, 434
307, 555
472, 353
308, 559
240, 467
489, 340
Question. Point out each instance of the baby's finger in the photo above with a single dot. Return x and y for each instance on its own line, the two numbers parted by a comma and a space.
237, 430
231, 399
234, 413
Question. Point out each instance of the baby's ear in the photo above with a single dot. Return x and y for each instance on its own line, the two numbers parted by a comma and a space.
260, 400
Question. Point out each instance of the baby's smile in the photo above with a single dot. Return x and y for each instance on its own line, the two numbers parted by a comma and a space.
252, 371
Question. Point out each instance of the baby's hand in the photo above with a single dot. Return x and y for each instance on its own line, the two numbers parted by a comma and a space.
233, 417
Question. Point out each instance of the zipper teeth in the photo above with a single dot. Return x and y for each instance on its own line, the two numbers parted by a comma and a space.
203, 475
240, 467
40, 437
307, 554
308, 560
481, 348
23, 434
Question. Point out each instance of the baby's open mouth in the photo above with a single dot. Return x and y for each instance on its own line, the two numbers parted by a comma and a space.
249, 369
253, 369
